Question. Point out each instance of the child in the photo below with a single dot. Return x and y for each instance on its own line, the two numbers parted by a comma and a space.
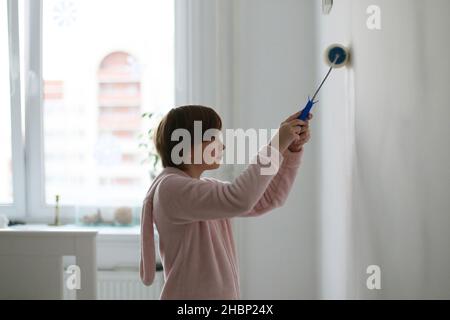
193, 214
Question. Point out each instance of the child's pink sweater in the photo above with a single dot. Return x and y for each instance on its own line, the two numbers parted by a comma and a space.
192, 217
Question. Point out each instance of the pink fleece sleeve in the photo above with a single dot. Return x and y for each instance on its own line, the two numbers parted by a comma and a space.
278, 190
188, 199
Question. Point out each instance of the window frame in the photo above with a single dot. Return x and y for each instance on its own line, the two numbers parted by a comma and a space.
203, 42
17, 208
37, 210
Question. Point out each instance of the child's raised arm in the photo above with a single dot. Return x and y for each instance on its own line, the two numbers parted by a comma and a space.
280, 186
187, 200
278, 190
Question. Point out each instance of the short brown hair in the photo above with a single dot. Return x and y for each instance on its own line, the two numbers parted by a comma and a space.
183, 117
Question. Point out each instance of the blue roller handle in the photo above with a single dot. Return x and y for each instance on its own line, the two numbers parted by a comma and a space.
305, 112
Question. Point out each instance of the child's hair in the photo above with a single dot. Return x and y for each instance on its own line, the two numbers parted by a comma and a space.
183, 118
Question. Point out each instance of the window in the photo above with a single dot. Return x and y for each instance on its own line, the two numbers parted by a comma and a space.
6, 182
84, 72
104, 63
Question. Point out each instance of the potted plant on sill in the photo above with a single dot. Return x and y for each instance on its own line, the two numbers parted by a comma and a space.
147, 144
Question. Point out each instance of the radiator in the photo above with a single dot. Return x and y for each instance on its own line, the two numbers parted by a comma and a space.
123, 285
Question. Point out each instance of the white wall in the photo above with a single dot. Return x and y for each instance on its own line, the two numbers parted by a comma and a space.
391, 110
274, 53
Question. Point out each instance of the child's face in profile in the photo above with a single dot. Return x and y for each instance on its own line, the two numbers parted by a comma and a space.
212, 153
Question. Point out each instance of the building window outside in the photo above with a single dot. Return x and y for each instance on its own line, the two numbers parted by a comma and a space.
100, 74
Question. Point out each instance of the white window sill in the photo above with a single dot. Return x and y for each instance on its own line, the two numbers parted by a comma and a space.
105, 233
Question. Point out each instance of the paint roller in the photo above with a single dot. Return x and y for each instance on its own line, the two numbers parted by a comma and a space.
336, 56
